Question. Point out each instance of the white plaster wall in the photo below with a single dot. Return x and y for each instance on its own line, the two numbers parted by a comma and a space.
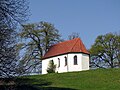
60, 69
82, 59
45, 63
71, 66
85, 62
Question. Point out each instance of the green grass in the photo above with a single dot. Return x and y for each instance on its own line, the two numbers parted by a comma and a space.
100, 79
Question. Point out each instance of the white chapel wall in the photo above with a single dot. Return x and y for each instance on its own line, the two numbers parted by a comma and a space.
82, 63
60, 69
71, 66
85, 62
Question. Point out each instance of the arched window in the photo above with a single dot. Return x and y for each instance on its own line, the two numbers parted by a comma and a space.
65, 60
58, 62
75, 60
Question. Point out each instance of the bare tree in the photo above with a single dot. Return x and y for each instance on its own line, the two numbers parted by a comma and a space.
73, 35
8, 52
40, 37
12, 13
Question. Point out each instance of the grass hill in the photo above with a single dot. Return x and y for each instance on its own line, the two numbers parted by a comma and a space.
100, 79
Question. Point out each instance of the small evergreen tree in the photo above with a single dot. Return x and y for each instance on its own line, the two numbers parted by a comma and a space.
51, 67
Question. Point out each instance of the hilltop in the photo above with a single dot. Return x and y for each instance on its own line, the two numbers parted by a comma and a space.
100, 79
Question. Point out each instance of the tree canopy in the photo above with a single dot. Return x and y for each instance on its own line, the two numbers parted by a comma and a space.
39, 37
105, 52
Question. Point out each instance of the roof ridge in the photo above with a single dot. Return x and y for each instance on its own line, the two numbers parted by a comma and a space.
74, 44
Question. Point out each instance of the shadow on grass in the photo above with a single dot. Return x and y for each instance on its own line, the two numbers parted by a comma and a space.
34, 82
27, 84
54, 88
30, 87
22, 84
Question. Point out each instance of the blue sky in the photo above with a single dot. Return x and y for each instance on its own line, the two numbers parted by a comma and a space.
89, 18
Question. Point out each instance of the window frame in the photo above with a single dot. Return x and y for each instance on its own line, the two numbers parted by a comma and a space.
66, 61
58, 62
75, 60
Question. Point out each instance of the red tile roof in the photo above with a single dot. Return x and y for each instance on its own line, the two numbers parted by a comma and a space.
74, 45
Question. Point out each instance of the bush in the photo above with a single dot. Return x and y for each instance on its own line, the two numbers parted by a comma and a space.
51, 67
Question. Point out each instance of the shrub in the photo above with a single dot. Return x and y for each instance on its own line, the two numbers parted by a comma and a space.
51, 67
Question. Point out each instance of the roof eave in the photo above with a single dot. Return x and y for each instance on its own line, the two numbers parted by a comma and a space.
64, 54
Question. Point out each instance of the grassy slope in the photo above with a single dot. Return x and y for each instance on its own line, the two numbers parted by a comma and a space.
101, 79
